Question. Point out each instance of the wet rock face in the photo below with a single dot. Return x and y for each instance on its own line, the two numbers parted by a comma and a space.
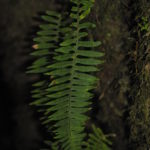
112, 22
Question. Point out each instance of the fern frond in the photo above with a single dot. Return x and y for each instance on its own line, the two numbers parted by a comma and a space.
69, 92
67, 57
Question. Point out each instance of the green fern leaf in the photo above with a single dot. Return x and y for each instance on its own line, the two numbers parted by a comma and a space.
72, 81
65, 96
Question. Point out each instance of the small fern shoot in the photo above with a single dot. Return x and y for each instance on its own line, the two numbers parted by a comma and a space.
97, 140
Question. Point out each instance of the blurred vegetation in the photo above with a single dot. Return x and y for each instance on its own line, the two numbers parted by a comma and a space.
123, 28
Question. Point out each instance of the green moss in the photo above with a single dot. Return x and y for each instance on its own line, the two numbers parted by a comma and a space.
140, 92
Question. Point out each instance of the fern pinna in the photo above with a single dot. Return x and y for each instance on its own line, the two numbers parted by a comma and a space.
67, 97
97, 140
46, 41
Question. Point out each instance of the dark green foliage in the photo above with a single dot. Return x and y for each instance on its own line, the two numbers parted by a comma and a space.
65, 98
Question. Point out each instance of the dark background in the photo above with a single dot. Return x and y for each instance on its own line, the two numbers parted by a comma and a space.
20, 127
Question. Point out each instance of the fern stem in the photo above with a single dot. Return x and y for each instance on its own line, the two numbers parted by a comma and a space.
72, 74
